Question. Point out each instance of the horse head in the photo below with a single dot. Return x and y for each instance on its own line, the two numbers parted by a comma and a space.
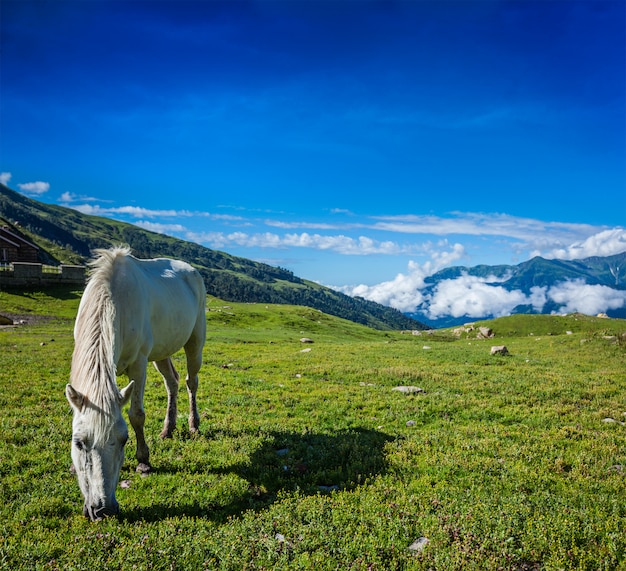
98, 439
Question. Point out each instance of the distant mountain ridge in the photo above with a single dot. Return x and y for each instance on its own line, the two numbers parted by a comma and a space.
609, 271
68, 236
538, 272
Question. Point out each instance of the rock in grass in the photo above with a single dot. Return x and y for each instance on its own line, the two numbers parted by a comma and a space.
419, 544
408, 389
484, 333
499, 350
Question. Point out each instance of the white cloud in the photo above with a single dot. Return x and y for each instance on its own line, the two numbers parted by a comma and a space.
527, 232
133, 211
446, 258
605, 243
36, 188
68, 197
403, 292
5, 177
341, 244
475, 297
215, 239
160, 228
524, 235
577, 296
479, 224
308, 225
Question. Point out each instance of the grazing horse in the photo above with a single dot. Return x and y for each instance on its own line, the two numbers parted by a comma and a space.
132, 311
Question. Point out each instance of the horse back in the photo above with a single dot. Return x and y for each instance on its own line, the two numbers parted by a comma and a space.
160, 306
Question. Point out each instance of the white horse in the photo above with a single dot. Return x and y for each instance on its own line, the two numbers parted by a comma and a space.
132, 311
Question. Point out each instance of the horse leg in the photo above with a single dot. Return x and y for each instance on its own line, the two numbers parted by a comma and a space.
137, 414
193, 351
194, 416
171, 378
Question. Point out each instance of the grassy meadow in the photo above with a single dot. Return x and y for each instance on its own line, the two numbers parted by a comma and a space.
308, 459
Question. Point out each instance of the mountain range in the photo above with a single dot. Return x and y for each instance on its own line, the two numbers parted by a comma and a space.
535, 277
64, 235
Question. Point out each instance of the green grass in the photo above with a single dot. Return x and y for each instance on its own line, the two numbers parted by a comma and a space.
309, 460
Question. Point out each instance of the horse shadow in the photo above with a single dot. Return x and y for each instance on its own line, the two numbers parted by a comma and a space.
310, 463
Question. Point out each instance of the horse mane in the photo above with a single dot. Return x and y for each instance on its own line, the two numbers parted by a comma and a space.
93, 371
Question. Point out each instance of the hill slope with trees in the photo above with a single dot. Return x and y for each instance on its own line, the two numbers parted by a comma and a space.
68, 236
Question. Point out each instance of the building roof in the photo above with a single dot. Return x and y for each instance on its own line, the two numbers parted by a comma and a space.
14, 239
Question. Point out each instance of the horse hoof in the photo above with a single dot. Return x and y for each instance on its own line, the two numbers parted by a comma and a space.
144, 469
166, 434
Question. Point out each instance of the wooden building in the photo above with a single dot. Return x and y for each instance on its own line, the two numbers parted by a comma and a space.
14, 248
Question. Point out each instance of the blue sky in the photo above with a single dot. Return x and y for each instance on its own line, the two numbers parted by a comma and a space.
360, 144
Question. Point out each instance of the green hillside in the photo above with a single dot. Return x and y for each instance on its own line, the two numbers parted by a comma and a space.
524, 325
68, 236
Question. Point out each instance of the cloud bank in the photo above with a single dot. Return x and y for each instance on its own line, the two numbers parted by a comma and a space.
404, 291
475, 297
576, 295
472, 296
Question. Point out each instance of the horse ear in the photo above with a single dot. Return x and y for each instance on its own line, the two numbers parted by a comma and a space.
74, 397
126, 392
